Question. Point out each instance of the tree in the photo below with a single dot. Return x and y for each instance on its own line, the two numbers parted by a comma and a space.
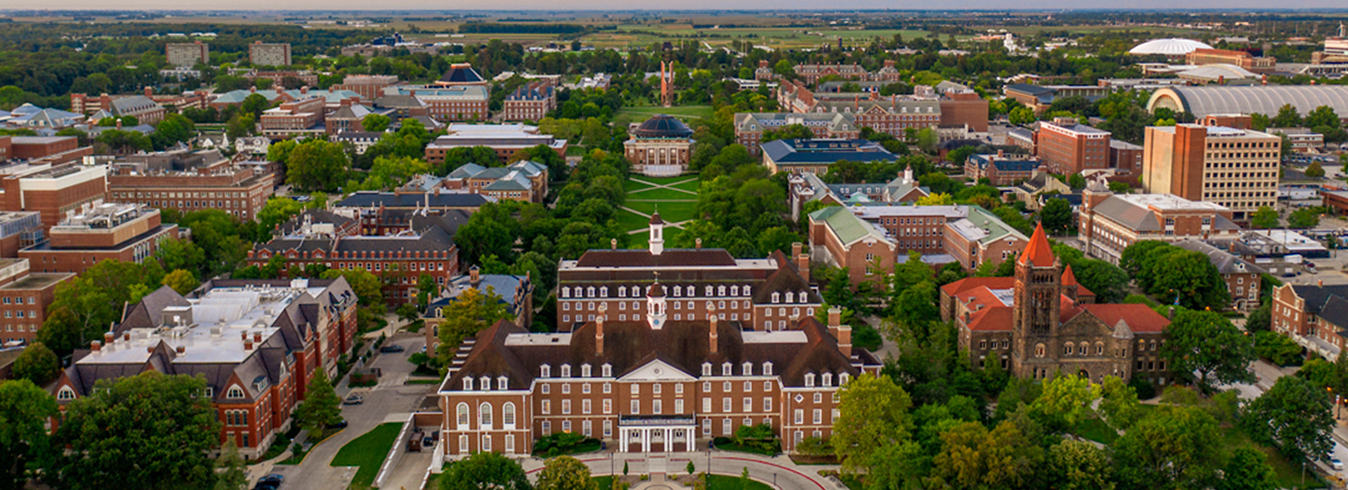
1207, 343
317, 165
1315, 171
1118, 403
1287, 117
1106, 280
234, 476
468, 314
1247, 469
1079, 465
1065, 400
935, 199
1304, 218
149, 431
565, 473
1021, 116
1173, 448
873, 415
181, 281
253, 105
25, 408
1056, 215
408, 313
1264, 218
321, 406
84, 307
973, 457
1293, 415
375, 123
38, 364
484, 471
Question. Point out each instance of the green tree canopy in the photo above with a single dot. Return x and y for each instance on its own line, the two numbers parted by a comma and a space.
1295, 416
37, 363
1207, 343
1264, 218
321, 406
873, 414
24, 410
565, 473
149, 431
484, 471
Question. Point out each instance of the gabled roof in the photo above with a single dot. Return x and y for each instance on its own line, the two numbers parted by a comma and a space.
847, 226
681, 257
1070, 279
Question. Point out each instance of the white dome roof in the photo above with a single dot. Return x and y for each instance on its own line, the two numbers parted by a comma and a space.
1168, 47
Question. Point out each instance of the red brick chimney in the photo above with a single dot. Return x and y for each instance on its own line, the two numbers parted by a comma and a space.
839, 331
108, 338
96, 346
257, 337
697, 243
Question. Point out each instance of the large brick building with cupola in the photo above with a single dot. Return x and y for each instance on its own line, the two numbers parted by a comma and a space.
668, 356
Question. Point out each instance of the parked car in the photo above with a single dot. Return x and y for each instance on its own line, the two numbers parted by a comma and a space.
270, 482
391, 348
353, 399
1336, 464
338, 425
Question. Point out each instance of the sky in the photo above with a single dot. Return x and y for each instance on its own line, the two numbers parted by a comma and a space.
667, 4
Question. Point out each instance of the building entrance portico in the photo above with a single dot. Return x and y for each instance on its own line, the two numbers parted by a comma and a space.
667, 433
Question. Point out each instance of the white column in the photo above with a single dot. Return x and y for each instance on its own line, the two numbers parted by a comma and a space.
669, 439
645, 440
622, 439
691, 435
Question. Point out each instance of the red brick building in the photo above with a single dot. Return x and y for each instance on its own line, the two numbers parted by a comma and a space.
106, 231
1314, 316
52, 191
256, 342
529, 102
649, 383
1249, 62
370, 87
504, 139
144, 108
1110, 222
1001, 169
24, 297
964, 109
190, 181
1067, 148
400, 260
303, 116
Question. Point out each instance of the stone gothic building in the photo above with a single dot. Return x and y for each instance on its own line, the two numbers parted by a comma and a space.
1041, 321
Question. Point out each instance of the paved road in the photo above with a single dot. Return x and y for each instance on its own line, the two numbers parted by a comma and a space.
1268, 374
389, 401
778, 471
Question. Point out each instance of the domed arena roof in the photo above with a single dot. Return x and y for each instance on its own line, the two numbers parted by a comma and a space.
662, 126
1168, 47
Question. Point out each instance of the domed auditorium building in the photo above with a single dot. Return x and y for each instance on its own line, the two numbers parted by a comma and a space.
660, 147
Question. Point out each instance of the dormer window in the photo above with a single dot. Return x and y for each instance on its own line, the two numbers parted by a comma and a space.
691, 291
622, 292
677, 291
234, 392
720, 291
484, 383
607, 370
501, 383
467, 384
706, 369
65, 394
776, 297
566, 370
545, 371
746, 290
590, 292
747, 369
767, 369
809, 380
801, 296
734, 290
790, 296
636, 291
727, 369
584, 370
603, 292
827, 378
842, 379
709, 291
579, 292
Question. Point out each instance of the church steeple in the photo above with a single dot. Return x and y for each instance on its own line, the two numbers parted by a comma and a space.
655, 304
657, 239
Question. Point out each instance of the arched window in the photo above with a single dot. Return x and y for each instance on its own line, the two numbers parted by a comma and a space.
1099, 348
1067, 349
508, 414
234, 392
501, 383
566, 370
842, 379
776, 297
1039, 350
589, 291
484, 415
463, 419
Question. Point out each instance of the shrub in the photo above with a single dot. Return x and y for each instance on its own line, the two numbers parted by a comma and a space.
1145, 389
1277, 348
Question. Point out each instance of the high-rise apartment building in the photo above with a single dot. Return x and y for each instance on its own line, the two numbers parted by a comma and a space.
1234, 168
187, 55
1067, 147
269, 54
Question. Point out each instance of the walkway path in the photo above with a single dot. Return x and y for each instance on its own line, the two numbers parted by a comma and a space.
776, 471
677, 224
654, 186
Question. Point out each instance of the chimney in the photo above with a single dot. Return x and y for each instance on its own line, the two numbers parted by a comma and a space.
834, 318
304, 90
474, 275
149, 91
243, 335
247, 345
119, 124
1000, 154
257, 337
613, 243
1263, 79
697, 243
181, 350
96, 346
126, 336
599, 329
712, 321
795, 249
844, 335
108, 337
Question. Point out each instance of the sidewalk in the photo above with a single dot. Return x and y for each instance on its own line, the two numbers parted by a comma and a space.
776, 471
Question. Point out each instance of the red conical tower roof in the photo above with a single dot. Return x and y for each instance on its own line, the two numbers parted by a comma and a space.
1038, 251
1068, 278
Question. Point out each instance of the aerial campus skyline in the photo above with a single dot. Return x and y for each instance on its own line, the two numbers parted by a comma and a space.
1253, 5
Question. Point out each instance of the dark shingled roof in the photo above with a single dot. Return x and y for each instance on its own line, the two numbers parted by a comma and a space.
682, 257
684, 345
366, 199
461, 73
662, 126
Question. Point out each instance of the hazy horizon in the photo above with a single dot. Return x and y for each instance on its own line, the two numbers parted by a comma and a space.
322, 5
